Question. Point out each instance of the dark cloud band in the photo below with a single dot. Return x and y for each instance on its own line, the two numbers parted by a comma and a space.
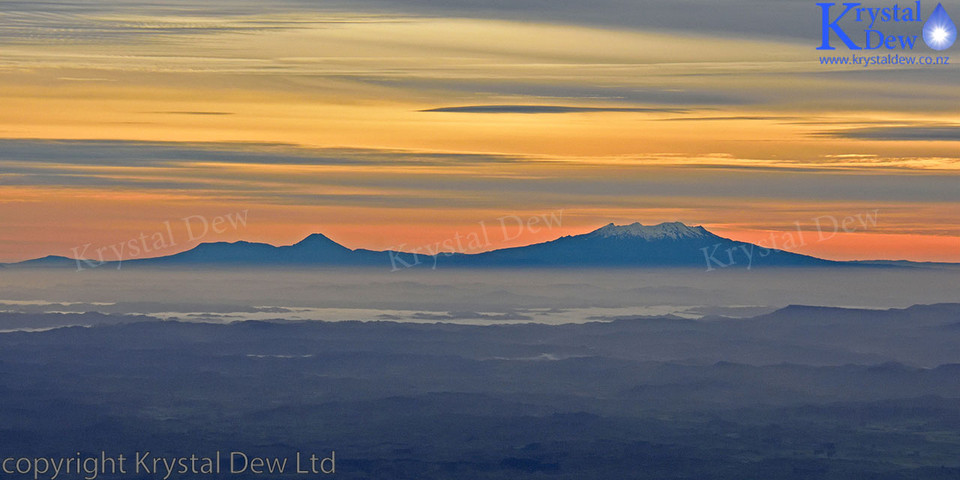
949, 133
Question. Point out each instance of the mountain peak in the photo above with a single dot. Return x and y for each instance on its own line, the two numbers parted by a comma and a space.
319, 240
314, 238
663, 231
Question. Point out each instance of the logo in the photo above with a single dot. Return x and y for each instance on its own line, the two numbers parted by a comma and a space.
869, 28
939, 32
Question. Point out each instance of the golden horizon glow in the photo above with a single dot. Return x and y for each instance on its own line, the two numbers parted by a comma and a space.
747, 134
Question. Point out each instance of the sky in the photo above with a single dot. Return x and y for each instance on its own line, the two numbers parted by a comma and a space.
408, 122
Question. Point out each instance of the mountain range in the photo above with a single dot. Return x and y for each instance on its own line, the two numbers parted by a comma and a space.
671, 244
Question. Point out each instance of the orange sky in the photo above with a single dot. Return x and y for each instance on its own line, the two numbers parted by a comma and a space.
320, 125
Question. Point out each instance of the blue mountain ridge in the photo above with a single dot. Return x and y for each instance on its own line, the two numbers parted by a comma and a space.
671, 244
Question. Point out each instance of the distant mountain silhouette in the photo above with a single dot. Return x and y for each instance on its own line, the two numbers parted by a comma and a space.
636, 245
316, 249
48, 261
630, 246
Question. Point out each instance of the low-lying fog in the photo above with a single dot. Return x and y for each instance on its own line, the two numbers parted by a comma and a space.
464, 296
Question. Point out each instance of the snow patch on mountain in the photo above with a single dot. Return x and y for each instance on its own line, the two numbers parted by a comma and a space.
663, 231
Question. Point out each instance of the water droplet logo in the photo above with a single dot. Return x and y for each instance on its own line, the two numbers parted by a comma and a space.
939, 32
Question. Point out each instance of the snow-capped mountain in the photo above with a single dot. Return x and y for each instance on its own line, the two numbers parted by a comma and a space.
665, 245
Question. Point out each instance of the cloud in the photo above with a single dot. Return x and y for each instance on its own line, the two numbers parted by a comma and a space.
730, 117
280, 174
195, 113
943, 133
80, 25
90, 22
533, 109
123, 153
784, 18
545, 91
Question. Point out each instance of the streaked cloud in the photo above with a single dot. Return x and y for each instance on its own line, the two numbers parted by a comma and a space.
787, 18
195, 113
138, 154
343, 111
534, 109
760, 118
288, 174
943, 133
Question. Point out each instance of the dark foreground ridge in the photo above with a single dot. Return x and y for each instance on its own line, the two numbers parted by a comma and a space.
804, 392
